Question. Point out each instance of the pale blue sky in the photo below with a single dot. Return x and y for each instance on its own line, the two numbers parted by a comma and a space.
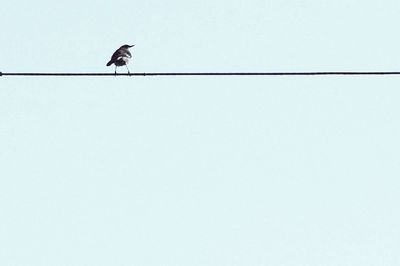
207, 171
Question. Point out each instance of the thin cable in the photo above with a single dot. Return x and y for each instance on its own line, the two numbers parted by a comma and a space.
334, 73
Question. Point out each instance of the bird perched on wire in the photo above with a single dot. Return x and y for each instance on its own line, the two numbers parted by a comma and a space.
121, 57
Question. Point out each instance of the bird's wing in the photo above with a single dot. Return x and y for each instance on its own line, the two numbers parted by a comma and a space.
115, 55
128, 53
119, 54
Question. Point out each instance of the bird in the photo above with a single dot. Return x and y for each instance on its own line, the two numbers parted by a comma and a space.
121, 57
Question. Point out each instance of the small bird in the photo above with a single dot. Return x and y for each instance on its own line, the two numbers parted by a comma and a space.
121, 57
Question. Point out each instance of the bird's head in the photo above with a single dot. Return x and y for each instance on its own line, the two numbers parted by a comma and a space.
127, 46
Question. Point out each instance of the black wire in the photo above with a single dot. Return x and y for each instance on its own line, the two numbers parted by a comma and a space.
349, 73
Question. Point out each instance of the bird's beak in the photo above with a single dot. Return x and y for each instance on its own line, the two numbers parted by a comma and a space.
131, 46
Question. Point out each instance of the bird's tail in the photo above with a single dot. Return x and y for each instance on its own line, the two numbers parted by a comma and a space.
110, 63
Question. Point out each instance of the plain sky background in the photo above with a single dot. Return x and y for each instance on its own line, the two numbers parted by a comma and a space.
207, 171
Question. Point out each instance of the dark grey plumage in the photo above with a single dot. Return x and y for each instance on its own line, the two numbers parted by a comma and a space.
121, 57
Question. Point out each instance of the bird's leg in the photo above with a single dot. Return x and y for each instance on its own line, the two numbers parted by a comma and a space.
115, 72
129, 73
